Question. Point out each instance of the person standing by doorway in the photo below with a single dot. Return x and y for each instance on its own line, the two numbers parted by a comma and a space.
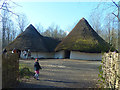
37, 67
25, 54
29, 54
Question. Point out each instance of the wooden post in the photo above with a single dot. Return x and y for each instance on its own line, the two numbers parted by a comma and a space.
0, 57
0, 64
119, 43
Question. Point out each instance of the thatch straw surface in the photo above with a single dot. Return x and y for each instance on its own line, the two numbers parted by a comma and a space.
31, 39
51, 43
84, 39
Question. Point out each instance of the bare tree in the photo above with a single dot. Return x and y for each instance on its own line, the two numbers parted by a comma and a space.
118, 16
22, 22
47, 33
4, 23
114, 38
13, 34
118, 10
8, 32
108, 27
110, 8
10, 4
5, 15
62, 34
55, 32
39, 27
7, 27
95, 20
111, 35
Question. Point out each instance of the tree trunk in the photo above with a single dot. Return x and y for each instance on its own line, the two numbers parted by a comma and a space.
3, 34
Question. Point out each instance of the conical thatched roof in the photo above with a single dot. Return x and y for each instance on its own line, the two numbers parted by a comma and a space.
84, 39
29, 39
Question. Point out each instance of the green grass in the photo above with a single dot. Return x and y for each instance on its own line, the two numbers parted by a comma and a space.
25, 71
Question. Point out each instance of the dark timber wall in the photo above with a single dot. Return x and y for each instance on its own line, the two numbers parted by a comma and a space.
10, 70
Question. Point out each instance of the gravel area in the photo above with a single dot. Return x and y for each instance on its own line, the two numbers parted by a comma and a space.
63, 73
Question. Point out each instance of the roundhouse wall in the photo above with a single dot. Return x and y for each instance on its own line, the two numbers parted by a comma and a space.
60, 55
85, 56
39, 55
42, 55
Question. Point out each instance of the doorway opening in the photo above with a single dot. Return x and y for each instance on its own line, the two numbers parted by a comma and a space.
67, 54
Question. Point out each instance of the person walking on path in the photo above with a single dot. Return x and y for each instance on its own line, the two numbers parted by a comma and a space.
37, 67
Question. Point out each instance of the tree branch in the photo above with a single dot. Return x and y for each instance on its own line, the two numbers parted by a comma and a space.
6, 6
9, 11
115, 3
116, 16
15, 3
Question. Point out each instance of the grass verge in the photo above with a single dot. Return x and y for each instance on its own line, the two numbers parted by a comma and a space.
25, 71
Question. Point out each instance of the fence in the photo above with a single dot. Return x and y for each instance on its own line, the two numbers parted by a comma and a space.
111, 70
10, 68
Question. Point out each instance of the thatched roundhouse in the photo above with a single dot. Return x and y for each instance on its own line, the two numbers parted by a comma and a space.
30, 39
82, 43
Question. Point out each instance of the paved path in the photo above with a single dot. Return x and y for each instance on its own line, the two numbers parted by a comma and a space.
63, 73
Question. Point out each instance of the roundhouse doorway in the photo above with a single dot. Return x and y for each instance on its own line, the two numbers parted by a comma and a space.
67, 54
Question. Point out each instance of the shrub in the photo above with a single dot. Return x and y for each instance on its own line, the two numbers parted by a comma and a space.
24, 71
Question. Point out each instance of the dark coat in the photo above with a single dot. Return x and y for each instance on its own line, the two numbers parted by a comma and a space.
37, 66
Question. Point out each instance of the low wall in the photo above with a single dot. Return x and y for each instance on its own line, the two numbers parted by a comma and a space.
10, 70
111, 70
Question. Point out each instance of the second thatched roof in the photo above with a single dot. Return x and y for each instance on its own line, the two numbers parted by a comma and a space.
84, 39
